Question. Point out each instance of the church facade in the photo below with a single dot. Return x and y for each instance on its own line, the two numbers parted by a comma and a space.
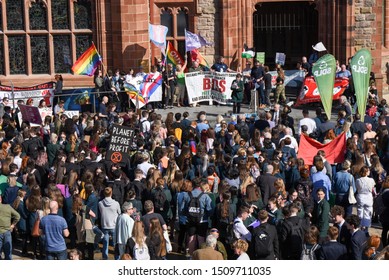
40, 38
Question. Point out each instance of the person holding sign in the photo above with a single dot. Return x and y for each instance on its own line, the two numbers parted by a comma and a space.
237, 88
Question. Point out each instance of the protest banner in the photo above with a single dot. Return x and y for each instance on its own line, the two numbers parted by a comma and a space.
38, 92
324, 72
334, 150
208, 86
30, 113
119, 146
361, 67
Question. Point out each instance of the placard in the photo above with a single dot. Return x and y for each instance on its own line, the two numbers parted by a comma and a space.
119, 146
31, 113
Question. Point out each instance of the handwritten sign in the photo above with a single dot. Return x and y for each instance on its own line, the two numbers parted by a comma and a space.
119, 146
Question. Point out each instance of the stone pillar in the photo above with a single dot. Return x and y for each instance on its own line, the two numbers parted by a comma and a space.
130, 37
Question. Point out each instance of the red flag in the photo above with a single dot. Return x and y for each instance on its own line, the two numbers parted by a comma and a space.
195, 54
335, 150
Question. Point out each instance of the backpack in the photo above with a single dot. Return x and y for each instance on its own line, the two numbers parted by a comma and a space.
286, 154
230, 234
194, 208
309, 254
303, 191
262, 243
297, 232
33, 147
159, 200
141, 253
146, 134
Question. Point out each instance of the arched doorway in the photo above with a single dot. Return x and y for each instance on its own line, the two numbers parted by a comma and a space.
286, 27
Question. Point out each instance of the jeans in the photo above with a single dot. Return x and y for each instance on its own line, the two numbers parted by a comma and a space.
267, 97
60, 255
261, 94
107, 234
120, 249
6, 245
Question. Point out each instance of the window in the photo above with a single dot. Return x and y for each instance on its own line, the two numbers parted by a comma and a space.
176, 20
43, 36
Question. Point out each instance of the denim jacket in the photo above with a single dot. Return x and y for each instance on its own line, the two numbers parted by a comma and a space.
341, 184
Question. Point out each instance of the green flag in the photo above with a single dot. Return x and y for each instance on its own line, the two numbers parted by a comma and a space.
324, 73
360, 69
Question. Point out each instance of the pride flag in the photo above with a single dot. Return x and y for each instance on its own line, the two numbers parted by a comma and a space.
133, 94
88, 62
195, 54
173, 56
157, 34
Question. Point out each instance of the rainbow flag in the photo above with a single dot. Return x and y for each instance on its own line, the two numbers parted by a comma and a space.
173, 56
88, 62
133, 93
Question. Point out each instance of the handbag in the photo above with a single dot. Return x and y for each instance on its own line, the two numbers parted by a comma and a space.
35, 229
351, 196
169, 247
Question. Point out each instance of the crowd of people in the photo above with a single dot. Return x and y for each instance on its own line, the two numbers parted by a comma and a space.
233, 190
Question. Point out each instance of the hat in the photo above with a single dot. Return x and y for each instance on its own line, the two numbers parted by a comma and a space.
126, 206
214, 230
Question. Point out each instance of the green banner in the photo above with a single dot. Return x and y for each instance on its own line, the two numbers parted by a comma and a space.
324, 73
360, 69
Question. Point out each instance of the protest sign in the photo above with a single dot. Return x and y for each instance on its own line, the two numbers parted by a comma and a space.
208, 86
119, 146
30, 113
260, 57
280, 58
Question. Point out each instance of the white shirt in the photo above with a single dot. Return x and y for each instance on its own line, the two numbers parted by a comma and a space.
241, 232
129, 78
145, 124
294, 143
310, 123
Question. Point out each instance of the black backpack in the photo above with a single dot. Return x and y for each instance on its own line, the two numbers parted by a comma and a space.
230, 234
194, 208
159, 200
262, 242
146, 134
33, 148
297, 232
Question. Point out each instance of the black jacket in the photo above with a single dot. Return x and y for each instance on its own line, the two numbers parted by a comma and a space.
265, 183
332, 251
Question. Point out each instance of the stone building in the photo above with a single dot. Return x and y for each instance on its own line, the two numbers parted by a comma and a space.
39, 38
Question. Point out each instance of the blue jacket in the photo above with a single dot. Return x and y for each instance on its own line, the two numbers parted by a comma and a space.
342, 181
205, 204
320, 180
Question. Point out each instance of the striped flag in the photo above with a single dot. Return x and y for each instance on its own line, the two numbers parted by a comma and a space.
88, 62
173, 56
195, 54
248, 52
157, 34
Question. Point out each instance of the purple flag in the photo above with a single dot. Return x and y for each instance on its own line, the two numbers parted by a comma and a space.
194, 41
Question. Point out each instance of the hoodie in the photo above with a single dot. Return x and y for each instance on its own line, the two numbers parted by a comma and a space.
109, 211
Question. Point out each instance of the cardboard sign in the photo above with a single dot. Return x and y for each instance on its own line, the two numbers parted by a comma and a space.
31, 113
119, 146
